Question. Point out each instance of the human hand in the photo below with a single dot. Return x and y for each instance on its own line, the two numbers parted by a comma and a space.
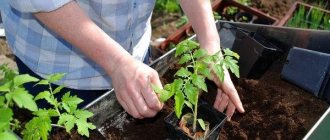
131, 81
227, 96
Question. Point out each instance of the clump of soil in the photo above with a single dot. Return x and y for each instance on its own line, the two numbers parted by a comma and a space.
274, 108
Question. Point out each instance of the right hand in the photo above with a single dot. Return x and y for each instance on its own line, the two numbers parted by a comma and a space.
132, 84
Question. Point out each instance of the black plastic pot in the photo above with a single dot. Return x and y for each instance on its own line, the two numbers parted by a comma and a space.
207, 113
256, 54
244, 17
309, 70
262, 21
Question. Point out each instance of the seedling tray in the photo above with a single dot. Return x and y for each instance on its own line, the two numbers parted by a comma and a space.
218, 6
307, 19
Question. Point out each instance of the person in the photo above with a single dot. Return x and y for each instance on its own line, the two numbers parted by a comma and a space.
101, 45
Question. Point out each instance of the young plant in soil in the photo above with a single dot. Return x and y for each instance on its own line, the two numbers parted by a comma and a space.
190, 79
12, 93
66, 110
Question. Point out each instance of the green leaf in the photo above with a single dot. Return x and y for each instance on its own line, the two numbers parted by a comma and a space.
5, 118
199, 53
58, 89
23, 99
83, 127
189, 105
207, 59
157, 89
43, 82
5, 87
164, 96
7, 135
70, 103
68, 121
181, 48
25, 78
179, 102
43, 95
231, 53
46, 113
203, 69
182, 72
230, 63
219, 71
199, 81
191, 93
2, 101
55, 77
83, 114
37, 128
201, 123
184, 59
192, 44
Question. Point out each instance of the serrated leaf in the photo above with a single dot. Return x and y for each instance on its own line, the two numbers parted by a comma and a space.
25, 78
157, 89
203, 69
164, 96
201, 123
207, 59
181, 48
191, 93
42, 95
199, 53
46, 113
182, 72
231, 53
199, 81
219, 71
58, 89
192, 44
231, 64
179, 102
84, 126
184, 59
37, 128
55, 77
67, 120
5, 87
7, 135
70, 103
43, 82
83, 114
23, 99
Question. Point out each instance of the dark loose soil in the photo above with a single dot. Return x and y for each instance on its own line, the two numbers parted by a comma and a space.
274, 108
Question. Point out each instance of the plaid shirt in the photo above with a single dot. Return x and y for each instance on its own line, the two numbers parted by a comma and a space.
44, 52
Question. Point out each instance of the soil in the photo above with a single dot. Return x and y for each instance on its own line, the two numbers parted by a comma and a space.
273, 106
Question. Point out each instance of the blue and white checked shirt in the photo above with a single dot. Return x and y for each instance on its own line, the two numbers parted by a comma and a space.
44, 52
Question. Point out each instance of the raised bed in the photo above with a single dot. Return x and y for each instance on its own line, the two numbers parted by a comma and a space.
220, 6
275, 109
303, 15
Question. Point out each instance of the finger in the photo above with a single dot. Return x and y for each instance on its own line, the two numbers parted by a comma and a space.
133, 111
153, 100
230, 110
128, 107
230, 90
224, 102
217, 99
142, 106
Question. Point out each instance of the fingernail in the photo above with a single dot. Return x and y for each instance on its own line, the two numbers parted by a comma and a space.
229, 118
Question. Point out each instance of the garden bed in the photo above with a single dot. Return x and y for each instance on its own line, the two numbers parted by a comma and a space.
272, 106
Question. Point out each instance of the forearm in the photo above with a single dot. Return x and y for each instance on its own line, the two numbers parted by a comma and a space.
200, 16
72, 24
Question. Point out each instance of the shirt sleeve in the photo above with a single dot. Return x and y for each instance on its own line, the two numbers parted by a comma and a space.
33, 6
